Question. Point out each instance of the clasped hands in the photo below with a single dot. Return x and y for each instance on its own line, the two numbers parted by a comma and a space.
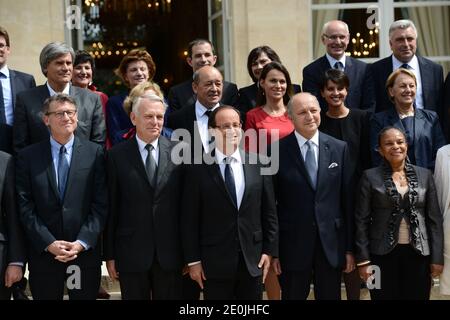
65, 251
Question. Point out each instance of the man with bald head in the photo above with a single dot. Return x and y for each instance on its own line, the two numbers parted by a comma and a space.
208, 87
335, 37
429, 75
314, 207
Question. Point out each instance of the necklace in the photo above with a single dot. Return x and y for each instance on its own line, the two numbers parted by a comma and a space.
400, 178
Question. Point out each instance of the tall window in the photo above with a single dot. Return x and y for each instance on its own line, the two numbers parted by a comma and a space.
218, 11
369, 23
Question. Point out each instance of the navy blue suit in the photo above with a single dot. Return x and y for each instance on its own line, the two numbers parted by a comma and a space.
428, 136
432, 83
360, 85
20, 81
313, 222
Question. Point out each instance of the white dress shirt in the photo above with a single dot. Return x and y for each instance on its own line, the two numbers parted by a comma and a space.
333, 61
7, 95
53, 92
304, 147
238, 172
414, 68
144, 152
202, 123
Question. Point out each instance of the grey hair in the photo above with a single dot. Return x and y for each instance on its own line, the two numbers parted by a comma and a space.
151, 97
52, 51
402, 24
290, 104
327, 24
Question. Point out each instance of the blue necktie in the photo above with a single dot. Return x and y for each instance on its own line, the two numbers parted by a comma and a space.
150, 165
2, 102
310, 163
63, 171
405, 66
338, 65
229, 181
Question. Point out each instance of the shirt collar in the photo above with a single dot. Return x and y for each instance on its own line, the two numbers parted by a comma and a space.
333, 61
201, 109
53, 92
413, 63
57, 145
235, 156
302, 140
142, 144
5, 71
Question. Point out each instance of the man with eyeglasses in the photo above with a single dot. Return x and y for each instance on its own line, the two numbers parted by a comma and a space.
56, 64
228, 223
62, 200
11, 83
335, 37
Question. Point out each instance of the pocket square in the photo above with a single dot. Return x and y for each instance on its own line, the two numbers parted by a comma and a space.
333, 165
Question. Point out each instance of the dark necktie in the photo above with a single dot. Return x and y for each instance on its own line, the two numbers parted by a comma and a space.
2, 102
229, 181
405, 66
63, 171
339, 66
208, 113
150, 165
310, 163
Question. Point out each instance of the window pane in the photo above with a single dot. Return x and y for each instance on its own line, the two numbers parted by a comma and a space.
217, 39
340, 1
364, 42
433, 28
216, 6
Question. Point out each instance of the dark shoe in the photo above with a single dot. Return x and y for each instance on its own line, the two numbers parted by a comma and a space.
102, 294
19, 294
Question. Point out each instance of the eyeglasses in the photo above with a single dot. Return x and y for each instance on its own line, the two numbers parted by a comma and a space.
3, 46
229, 126
334, 37
61, 114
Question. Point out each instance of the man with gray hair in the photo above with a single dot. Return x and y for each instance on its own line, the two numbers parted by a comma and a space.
56, 60
429, 75
142, 244
335, 37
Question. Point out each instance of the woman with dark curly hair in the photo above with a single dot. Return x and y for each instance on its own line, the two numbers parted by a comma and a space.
398, 224
135, 68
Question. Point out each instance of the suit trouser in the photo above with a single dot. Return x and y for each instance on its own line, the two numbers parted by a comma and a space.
50, 285
242, 286
405, 275
191, 289
155, 284
295, 285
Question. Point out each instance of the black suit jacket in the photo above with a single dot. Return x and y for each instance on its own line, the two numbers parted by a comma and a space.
182, 95
428, 136
432, 83
29, 127
374, 211
446, 104
302, 212
214, 230
248, 95
359, 92
12, 245
20, 81
82, 213
143, 223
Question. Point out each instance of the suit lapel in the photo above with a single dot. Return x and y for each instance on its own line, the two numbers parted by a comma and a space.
75, 161
324, 161
424, 70
47, 155
12, 76
251, 173
163, 161
296, 156
136, 159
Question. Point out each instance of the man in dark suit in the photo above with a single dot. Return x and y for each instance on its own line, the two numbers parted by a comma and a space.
12, 245
62, 198
228, 224
335, 37
208, 87
314, 207
429, 75
11, 83
447, 103
200, 54
56, 64
142, 241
